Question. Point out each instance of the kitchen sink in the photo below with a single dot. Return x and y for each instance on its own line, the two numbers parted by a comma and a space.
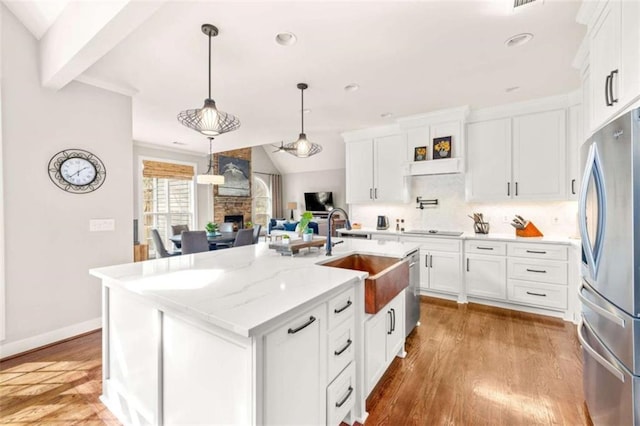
434, 232
388, 276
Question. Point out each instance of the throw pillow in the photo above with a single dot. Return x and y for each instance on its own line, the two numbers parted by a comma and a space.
280, 222
290, 226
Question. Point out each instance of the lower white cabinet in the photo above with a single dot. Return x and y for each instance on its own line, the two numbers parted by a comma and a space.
440, 271
384, 339
294, 370
341, 396
485, 276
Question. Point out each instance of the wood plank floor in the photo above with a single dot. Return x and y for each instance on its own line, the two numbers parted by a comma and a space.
466, 365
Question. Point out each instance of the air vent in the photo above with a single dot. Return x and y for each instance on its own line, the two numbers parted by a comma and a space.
518, 3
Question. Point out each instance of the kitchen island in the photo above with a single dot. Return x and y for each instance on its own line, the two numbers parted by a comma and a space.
240, 336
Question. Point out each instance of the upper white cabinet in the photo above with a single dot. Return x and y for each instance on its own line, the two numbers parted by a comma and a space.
574, 141
375, 161
518, 157
614, 56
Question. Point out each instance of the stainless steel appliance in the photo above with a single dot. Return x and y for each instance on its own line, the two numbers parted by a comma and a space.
383, 222
412, 301
609, 220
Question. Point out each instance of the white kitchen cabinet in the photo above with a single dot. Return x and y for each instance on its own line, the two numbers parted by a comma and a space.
489, 160
440, 271
375, 170
574, 142
384, 339
521, 158
614, 41
295, 366
486, 269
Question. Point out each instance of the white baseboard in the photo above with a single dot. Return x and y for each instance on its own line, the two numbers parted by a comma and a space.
19, 346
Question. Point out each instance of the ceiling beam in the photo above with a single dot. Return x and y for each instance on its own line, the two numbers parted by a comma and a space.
86, 31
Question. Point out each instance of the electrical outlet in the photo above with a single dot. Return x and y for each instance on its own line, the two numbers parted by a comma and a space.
556, 220
505, 219
101, 225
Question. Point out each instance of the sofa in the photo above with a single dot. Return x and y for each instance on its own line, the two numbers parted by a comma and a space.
286, 225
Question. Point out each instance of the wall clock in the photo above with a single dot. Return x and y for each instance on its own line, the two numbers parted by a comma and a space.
77, 171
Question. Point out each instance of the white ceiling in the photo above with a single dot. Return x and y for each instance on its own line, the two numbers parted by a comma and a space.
407, 57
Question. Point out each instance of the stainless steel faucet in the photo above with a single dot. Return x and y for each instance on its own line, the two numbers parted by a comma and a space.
347, 225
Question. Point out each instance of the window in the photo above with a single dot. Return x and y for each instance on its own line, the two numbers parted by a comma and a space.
168, 198
261, 202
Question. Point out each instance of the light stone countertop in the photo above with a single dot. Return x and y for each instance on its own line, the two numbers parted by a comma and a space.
243, 288
468, 236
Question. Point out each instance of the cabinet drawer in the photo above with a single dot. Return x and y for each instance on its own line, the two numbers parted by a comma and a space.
342, 307
495, 248
544, 295
341, 396
537, 251
434, 243
341, 348
544, 271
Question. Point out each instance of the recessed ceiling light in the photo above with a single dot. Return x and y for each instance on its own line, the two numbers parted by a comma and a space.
286, 39
351, 87
386, 115
178, 143
512, 89
518, 39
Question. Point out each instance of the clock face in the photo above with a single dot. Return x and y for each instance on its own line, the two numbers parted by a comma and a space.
77, 171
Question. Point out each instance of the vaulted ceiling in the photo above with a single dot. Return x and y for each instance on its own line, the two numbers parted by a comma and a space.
406, 57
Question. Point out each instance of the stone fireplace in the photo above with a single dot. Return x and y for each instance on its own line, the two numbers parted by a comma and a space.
236, 219
225, 206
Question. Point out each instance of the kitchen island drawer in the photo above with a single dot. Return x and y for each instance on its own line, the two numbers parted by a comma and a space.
341, 348
544, 295
538, 251
341, 396
544, 271
495, 248
435, 243
341, 307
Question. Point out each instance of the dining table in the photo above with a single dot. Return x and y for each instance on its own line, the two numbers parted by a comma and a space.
214, 240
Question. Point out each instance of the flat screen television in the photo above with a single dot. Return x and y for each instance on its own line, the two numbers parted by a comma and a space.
318, 201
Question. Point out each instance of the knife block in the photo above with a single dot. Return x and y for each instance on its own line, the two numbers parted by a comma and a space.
529, 231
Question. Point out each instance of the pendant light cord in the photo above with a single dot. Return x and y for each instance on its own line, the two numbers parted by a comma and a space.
209, 66
302, 108
210, 169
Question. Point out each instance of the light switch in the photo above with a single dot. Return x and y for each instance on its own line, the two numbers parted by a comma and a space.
99, 225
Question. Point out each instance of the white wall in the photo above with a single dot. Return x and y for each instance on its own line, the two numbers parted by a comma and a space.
204, 193
49, 292
261, 162
452, 210
296, 184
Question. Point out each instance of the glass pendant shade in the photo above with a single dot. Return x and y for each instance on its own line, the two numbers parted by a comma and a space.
208, 120
302, 148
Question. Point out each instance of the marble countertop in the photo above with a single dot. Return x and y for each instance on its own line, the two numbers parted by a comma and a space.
468, 236
243, 288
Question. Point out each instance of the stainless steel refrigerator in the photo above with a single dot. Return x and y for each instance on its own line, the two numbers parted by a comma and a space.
609, 221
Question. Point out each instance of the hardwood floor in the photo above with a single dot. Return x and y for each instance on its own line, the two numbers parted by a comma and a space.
466, 365
478, 365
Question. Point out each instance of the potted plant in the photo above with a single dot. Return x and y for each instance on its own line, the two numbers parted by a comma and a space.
211, 228
303, 224
248, 224
285, 239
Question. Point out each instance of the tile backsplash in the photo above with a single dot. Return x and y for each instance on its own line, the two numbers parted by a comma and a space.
553, 218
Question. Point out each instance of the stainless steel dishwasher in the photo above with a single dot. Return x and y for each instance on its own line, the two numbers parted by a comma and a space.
412, 302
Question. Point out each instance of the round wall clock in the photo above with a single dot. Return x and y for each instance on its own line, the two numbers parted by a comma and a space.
77, 171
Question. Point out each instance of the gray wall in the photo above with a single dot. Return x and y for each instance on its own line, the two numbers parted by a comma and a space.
260, 161
49, 293
296, 184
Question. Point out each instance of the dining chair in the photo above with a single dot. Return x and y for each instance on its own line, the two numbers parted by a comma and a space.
177, 229
256, 233
244, 237
194, 242
226, 227
161, 251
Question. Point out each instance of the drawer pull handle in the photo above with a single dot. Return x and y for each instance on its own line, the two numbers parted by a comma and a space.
536, 252
393, 318
303, 326
338, 353
484, 248
538, 271
537, 294
349, 392
337, 311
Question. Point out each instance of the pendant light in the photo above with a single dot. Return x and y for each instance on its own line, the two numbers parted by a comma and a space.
209, 178
302, 148
208, 120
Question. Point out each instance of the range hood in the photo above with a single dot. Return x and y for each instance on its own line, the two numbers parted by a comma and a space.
435, 167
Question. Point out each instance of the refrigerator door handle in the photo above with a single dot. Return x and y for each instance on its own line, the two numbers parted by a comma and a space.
603, 312
592, 250
596, 356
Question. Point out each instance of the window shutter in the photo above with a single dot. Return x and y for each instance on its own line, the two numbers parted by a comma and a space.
158, 169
